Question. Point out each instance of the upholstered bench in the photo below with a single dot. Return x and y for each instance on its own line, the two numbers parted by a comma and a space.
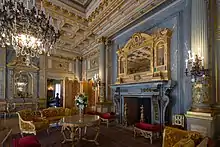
28, 141
146, 130
108, 118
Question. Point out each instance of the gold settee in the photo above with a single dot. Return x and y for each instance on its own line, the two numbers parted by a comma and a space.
31, 122
173, 137
53, 115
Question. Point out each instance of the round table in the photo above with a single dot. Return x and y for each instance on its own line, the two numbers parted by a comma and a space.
76, 124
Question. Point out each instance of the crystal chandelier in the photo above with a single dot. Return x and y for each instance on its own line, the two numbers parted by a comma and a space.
28, 30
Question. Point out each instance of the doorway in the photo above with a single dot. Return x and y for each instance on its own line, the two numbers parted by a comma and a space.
54, 93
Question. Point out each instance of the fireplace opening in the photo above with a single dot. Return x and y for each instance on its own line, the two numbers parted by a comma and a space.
134, 110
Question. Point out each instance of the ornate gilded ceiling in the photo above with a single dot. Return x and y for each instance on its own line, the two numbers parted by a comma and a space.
83, 3
82, 21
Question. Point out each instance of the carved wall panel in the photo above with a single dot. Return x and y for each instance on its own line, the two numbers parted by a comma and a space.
93, 63
145, 58
61, 66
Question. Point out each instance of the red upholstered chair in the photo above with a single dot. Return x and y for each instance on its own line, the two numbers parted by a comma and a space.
28, 141
146, 130
108, 118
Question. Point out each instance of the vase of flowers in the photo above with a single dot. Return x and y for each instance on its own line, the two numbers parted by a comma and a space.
81, 102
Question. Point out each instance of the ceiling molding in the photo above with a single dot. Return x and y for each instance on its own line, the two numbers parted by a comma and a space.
131, 13
60, 11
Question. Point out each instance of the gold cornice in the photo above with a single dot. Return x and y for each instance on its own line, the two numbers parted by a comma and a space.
92, 53
103, 11
65, 13
62, 57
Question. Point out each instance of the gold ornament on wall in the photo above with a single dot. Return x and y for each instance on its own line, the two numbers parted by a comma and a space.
145, 57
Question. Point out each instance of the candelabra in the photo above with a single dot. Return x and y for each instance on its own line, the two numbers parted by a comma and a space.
195, 67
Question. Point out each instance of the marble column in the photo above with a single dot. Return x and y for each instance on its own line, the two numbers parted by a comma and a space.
217, 53
43, 77
102, 50
107, 76
114, 63
78, 66
201, 117
199, 43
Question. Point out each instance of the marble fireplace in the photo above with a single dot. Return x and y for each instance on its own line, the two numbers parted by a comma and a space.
144, 78
154, 96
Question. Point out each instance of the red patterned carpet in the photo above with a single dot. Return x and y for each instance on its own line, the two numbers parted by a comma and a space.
109, 137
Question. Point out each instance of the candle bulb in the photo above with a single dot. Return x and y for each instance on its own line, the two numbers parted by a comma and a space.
16, 6
189, 54
202, 61
186, 63
41, 5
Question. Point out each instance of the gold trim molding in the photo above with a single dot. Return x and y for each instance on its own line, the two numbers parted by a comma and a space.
145, 57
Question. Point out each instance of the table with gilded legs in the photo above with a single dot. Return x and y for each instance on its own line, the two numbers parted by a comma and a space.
77, 128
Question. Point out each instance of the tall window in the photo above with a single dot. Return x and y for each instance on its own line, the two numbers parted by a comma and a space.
57, 89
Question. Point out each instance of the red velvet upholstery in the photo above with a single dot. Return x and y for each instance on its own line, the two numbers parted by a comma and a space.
148, 127
93, 113
107, 116
28, 141
211, 143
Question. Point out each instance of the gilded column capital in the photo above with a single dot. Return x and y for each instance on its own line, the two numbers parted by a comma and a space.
79, 58
101, 40
108, 42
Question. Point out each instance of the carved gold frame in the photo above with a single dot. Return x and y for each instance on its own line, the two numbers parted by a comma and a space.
154, 42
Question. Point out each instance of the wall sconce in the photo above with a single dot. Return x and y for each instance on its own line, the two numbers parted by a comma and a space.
195, 67
96, 79
50, 88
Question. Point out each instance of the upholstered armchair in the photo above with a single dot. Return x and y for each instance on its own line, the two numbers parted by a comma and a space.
30, 122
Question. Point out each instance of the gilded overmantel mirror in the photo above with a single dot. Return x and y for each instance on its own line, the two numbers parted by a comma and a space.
145, 57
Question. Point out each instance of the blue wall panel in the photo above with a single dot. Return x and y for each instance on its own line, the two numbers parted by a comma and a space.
176, 16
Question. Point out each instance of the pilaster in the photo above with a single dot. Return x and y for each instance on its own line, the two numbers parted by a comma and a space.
102, 72
199, 26
201, 95
2, 73
78, 65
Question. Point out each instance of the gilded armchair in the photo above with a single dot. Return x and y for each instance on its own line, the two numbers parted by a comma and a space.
30, 122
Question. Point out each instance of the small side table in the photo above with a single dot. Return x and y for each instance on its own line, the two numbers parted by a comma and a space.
5, 137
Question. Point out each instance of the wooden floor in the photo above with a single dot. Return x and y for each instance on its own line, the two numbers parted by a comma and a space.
113, 136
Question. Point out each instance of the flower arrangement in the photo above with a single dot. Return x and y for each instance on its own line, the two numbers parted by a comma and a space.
81, 101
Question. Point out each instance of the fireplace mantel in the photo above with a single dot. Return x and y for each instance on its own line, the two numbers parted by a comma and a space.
158, 91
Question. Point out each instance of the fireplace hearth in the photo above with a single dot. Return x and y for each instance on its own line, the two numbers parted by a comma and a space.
134, 105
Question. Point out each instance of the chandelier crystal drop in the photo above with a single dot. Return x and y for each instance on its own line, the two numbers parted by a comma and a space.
28, 30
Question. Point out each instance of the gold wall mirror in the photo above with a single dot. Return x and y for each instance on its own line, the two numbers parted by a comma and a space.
145, 57
23, 84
